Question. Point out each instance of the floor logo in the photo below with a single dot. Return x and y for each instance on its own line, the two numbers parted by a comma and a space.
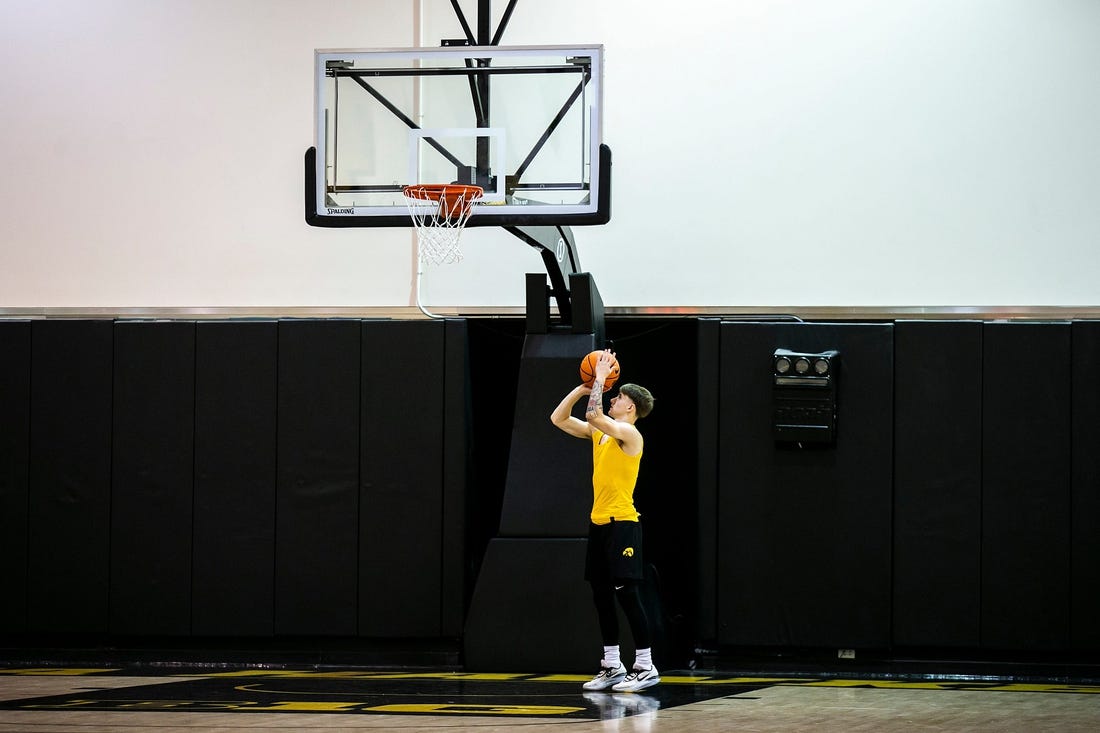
557, 696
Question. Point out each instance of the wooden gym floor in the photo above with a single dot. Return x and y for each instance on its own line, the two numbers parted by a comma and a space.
166, 699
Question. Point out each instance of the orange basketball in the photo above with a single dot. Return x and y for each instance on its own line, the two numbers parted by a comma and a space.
588, 371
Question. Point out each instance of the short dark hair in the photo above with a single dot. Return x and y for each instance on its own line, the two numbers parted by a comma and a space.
641, 397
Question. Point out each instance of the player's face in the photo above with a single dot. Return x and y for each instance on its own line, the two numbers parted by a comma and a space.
620, 405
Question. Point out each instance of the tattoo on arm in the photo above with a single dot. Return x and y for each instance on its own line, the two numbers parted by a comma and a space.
595, 400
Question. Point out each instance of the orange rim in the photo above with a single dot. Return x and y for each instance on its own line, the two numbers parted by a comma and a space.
450, 191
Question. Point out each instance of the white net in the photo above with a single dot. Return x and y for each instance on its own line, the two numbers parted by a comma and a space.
440, 213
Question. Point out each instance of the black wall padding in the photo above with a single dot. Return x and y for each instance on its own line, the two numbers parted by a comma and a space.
457, 457
1026, 492
15, 394
233, 591
707, 451
1085, 548
70, 476
804, 535
317, 506
938, 483
412, 419
151, 496
548, 492
549, 624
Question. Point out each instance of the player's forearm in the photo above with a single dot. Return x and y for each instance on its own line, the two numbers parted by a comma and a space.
564, 410
595, 400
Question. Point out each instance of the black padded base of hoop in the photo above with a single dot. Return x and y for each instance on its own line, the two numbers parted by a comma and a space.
584, 312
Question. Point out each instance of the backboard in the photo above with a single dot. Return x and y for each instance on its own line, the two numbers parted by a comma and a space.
524, 123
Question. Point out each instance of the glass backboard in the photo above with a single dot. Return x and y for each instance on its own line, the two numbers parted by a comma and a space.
521, 122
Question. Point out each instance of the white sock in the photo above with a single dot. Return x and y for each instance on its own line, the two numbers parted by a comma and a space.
611, 656
644, 659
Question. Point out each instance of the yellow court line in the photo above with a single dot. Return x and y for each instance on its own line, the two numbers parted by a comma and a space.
360, 675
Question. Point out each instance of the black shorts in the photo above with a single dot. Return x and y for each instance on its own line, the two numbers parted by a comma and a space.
614, 552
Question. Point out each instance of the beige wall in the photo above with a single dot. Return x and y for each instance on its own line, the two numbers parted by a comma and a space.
839, 153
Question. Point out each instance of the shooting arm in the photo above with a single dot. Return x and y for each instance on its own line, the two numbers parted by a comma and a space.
562, 416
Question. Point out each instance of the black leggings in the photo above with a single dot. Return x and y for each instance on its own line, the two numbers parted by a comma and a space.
630, 598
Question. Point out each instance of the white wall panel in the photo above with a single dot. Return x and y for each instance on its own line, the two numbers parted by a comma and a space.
787, 153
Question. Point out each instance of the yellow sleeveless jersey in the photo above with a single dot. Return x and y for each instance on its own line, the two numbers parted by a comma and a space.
614, 475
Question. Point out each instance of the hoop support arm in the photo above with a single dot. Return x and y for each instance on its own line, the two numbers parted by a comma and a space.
559, 254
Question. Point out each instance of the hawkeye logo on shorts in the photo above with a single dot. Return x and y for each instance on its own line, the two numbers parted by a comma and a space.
628, 552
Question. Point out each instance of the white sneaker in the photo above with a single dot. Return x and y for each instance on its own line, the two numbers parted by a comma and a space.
638, 679
608, 677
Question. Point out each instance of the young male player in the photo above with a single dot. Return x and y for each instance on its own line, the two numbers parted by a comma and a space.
614, 565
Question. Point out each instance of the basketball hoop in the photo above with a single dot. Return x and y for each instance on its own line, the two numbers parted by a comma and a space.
440, 212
